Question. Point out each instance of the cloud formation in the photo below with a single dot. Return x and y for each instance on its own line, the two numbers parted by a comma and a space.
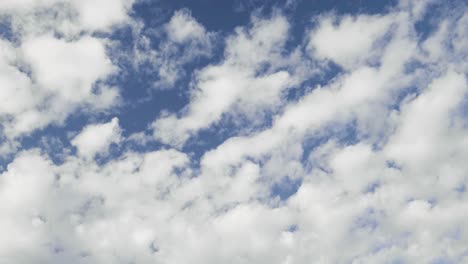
345, 143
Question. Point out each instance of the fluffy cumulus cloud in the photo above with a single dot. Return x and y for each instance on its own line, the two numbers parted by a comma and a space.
133, 132
53, 64
96, 139
326, 41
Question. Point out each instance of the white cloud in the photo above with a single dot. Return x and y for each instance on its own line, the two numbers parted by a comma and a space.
14, 82
23, 190
236, 84
460, 41
179, 42
381, 168
102, 14
428, 141
42, 84
183, 27
12, 5
96, 139
67, 17
349, 41
54, 65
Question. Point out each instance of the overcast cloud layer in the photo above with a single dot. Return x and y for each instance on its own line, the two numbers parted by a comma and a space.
135, 131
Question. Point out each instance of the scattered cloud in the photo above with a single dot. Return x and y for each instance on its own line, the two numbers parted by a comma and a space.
96, 139
179, 42
347, 135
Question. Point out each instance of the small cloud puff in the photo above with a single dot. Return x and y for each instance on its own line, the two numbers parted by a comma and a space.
96, 139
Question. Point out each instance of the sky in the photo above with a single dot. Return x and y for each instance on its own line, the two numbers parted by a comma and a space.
234, 131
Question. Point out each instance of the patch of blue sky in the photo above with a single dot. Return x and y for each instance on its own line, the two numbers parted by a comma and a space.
285, 188
5, 30
461, 188
437, 9
373, 187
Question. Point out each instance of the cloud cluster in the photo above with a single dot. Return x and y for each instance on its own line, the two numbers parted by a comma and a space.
53, 64
165, 52
367, 167
251, 79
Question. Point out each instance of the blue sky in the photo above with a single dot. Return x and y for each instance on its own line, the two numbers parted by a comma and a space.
237, 131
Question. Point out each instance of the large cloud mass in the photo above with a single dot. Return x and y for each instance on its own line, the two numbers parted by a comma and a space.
344, 143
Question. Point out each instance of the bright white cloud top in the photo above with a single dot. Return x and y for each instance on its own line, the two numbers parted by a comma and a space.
344, 143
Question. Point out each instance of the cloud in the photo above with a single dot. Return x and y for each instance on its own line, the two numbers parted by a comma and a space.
179, 42
96, 139
102, 14
52, 66
23, 189
366, 164
56, 71
183, 27
42, 76
244, 84
349, 41
67, 17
